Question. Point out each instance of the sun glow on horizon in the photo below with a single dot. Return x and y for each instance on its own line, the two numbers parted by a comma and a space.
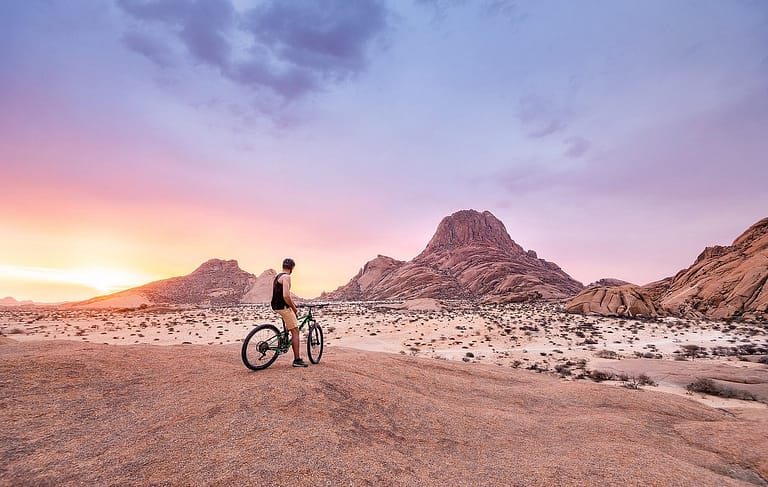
101, 280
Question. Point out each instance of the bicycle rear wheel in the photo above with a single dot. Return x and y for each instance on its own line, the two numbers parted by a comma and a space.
314, 343
260, 347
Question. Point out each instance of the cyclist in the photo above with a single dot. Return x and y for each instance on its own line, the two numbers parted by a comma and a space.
283, 304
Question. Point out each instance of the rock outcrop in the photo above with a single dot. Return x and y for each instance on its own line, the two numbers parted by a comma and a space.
657, 289
628, 300
471, 256
215, 283
608, 282
724, 281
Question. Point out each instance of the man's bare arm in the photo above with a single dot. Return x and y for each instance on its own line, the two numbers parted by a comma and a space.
287, 294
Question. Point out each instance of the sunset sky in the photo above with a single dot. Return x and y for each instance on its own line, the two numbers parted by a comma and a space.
139, 138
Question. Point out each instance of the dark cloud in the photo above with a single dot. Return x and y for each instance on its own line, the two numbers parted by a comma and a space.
576, 147
506, 8
327, 36
164, 10
290, 82
289, 48
440, 7
718, 156
202, 26
522, 178
539, 116
496, 8
205, 31
150, 47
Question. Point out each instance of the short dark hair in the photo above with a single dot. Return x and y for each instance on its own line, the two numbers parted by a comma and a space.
288, 264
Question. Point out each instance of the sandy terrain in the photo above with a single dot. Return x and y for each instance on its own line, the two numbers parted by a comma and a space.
537, 337
89, 414
483, 357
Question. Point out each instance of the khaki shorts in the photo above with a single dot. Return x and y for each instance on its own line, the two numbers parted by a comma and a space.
289, 317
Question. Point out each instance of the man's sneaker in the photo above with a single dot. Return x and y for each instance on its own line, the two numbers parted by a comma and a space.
299, 363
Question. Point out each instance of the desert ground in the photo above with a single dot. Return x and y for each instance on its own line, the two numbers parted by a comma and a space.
538, 337
414, 393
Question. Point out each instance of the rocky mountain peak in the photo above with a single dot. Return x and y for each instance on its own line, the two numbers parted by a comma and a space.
215, 282
470, 227
217, 266
755, 232
470, 256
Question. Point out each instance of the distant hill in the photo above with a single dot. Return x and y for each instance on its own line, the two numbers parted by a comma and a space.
215, 283
10, 301
470, 256
723, 282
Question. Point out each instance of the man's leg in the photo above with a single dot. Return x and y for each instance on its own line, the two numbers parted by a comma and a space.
293, 327
295, 343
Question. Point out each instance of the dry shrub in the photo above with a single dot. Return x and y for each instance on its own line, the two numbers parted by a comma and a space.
563, 369
601, 375
609, 354
634, 382
708, 386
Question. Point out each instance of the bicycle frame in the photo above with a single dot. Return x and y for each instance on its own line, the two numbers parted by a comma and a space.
266, 349
283, 339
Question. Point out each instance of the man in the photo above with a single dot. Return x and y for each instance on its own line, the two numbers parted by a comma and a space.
285, 307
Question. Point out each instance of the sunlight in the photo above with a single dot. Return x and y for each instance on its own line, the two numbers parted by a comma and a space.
103, 280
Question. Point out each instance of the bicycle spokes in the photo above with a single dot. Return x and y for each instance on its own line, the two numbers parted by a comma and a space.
261, 347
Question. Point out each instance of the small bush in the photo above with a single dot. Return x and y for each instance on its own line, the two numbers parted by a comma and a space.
634, 382
563, 370
693, 351
648, 355
609, 354
538, 368
763, 360
644, 380
708, 386
601, 375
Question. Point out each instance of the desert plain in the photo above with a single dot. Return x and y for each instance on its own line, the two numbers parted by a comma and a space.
421, 392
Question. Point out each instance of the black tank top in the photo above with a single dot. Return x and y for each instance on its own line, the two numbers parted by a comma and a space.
278, 301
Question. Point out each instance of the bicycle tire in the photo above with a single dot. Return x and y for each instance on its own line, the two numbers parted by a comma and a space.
259, 353
314, 343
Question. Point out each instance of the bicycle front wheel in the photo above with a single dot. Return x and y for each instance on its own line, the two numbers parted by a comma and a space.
314, 343
260, 347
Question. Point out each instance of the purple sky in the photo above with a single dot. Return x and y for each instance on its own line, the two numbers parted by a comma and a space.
615, 138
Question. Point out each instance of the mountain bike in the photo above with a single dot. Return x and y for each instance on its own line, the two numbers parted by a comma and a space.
265, 343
